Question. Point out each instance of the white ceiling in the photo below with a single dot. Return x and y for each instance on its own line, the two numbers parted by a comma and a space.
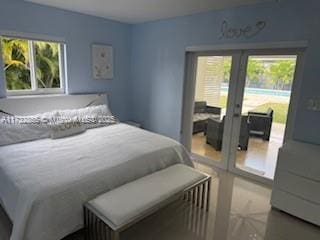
137, 11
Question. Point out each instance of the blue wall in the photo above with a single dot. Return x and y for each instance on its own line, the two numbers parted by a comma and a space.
158, 55
79, 32
155, 52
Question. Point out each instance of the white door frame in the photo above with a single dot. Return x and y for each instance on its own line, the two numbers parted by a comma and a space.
188, 106
299, 52
235, 94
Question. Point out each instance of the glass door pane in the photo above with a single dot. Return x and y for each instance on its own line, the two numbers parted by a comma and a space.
211, 96
265, 105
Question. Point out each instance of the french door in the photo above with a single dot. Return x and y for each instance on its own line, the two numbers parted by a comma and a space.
210, 90
235, 96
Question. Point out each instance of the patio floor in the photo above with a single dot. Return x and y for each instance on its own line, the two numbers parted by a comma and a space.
260, 158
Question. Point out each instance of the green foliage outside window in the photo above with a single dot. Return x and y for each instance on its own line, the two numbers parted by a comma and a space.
278, 74
255, 71
281, 73
16, 55
47, 65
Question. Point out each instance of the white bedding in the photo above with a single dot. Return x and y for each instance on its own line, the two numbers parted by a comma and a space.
44, 183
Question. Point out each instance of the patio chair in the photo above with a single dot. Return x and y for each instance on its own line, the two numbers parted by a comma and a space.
215, 129
201, 114
261, 123
215, 132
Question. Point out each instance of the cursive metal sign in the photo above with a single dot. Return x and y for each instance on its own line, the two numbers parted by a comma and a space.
248, 31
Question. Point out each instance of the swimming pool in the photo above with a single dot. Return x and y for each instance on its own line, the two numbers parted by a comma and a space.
263, 91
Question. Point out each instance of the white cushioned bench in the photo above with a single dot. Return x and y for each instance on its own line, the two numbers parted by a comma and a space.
110, 213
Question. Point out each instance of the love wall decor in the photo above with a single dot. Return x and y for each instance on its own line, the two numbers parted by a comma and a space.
249, 31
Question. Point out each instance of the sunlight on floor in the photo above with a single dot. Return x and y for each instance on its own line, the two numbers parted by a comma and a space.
260, 158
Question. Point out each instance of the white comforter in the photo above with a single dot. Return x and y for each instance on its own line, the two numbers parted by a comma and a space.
44, 183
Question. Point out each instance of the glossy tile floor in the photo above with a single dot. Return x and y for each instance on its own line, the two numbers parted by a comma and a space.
239, 210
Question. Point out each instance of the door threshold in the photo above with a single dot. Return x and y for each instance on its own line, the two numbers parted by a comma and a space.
207, 161
242, 173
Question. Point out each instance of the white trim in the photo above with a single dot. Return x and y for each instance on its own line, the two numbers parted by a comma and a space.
32, 36
252, 176
3, 82
295, 96
34, 96
63, 67
233, 85
205, 160
38, 91
32, 62
248, 46
236, 109
188, 100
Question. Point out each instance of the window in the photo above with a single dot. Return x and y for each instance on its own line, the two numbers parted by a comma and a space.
32, 66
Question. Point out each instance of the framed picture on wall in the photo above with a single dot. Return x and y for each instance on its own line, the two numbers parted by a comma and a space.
102, 61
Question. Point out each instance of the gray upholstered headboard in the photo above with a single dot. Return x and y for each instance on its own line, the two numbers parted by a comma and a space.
38, 104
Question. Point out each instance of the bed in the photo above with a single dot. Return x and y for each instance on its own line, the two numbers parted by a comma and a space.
44, 183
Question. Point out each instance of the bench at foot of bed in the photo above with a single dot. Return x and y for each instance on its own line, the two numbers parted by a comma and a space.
113, 212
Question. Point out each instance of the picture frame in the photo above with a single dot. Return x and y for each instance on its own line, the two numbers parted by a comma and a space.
102, 61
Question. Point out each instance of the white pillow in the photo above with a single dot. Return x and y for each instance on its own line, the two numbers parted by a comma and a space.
81, 112
66, 129
91, 117
17, 129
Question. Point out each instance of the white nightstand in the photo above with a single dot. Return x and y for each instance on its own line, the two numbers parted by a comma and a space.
135, 124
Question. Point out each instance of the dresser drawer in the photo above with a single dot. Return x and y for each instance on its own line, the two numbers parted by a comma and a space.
296, 206
303, 163
298, 186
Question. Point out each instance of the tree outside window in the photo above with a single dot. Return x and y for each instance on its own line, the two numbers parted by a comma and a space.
31, 65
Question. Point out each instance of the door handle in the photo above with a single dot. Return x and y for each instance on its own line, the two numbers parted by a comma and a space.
236, 115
